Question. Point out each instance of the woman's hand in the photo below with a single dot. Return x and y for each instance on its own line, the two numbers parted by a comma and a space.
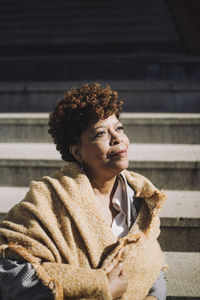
118, 281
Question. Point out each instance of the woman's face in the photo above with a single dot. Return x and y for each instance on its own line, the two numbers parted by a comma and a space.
103, 147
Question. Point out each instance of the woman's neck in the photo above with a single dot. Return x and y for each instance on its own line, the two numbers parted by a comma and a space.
104, 187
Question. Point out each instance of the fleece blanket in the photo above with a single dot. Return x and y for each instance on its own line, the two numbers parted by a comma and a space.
59, 229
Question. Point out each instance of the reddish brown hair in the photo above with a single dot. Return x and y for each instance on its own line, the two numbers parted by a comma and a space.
73, 113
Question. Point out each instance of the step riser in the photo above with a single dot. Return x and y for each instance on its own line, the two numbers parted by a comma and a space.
114, 48
148, 21
24, 133
75, 69
21, 174
148, 133
173, 178
163, 134
135, 100
138, 95
87, 30
182, 239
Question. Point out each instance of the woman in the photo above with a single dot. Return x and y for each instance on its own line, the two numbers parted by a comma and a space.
90, 230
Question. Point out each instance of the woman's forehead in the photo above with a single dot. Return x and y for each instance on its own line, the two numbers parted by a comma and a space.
111, 120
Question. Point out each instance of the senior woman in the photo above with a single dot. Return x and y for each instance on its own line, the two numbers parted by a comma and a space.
90, 230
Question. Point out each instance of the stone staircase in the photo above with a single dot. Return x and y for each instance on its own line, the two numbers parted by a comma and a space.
49, 27
164, 147
78, 40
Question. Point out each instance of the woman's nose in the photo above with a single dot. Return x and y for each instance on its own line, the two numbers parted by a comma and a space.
115, 138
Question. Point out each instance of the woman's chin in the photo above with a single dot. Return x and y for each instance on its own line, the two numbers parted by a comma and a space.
120, 165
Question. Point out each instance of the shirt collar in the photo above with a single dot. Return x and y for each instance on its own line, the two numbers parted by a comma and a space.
123, 197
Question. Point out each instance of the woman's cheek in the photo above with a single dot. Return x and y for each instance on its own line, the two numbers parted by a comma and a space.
127, 141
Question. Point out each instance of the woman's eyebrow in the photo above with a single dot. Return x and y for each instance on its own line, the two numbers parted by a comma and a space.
104, 126
93, 129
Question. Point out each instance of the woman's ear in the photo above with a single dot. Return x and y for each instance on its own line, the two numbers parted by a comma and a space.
74, 150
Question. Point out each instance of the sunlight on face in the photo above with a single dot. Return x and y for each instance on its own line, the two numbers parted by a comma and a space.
104, 147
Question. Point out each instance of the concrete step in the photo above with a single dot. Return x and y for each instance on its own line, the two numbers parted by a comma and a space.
183, 279
58, 48
180, 222
140, 127
80, 11
77, 2
132, 23
85, 32
9, 197
168, 166
155, 4
24, 128
138, 96
17, 31
180, 217
146, 20
75, 38
104, 67
97, 9
86, 5
162, 128
84, 12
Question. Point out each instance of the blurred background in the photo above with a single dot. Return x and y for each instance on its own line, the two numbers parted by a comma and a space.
147, 50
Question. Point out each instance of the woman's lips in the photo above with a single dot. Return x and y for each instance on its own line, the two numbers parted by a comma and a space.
119, 154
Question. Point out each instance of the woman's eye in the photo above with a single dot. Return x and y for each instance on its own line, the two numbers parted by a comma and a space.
100, 133
120, 128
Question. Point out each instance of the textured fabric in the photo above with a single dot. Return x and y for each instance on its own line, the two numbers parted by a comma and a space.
19, 280
123, 195
62, 233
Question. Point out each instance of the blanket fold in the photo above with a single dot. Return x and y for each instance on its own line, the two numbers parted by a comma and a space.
60, 231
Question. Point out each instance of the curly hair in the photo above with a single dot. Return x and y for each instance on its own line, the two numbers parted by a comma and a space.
73, 113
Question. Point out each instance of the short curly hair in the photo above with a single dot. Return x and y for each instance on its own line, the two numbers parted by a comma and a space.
73, 113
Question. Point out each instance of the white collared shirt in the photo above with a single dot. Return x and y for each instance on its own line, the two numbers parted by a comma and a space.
121, 201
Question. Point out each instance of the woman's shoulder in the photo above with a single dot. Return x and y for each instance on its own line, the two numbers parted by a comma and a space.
47, 187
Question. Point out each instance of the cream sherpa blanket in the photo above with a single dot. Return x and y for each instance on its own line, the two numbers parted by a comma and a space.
59, 229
